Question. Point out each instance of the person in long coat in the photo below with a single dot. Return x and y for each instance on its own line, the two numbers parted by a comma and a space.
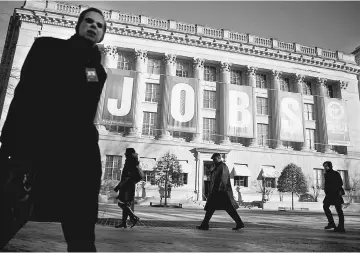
131, 175
220, 194
333, 191
50, 125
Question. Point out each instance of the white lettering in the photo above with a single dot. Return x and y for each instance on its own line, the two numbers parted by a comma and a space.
239, 116
126, 100
182, 102
291, 123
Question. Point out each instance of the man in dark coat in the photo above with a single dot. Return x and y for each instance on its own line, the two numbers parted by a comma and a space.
220, 195
131, 175
333, 191
50, 124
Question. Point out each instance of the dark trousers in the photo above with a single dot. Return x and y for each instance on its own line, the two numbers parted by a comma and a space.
128, 210
80, 236
231, 212
341, 219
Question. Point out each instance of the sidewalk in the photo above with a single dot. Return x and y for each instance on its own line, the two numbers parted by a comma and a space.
173, 230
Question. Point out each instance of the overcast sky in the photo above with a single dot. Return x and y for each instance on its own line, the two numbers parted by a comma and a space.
333, 25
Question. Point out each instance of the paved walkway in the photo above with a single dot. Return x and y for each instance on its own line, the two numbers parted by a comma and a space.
172, 230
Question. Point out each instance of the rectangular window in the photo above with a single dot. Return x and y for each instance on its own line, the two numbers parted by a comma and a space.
262, 134
116, 129
241, 181
261, 81
310, 138
152, 92
113, 164
209, 99
285, 84
148, 175
307, 88
344, 176
124, 62
210, 73
153, 66
262, 106
183, 69
270, 182
209, 129
185, 178
308, 111
236, 77
318, 178
149, 123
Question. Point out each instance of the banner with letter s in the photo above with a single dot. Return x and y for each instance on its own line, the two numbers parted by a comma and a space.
240, 111
291, 113
336, 120
182, 113
117, 108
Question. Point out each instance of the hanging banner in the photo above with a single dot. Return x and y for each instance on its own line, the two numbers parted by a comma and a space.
336, 120
182, 95
291, 110
240, 111
117, 108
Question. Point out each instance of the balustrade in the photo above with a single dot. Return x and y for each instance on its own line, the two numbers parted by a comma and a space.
186, 28
263, 41
308, 50
129, 18
213, 32
238, 37
66, 8
286, 46
158, 23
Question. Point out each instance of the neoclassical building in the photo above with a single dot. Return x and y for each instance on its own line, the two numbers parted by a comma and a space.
193, 90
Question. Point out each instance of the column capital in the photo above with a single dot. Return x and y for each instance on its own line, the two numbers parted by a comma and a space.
276, 73
299, 78
140, 54
251, 71
225, 66
109, 50
170, 59
343, 84
321, 81
198, 62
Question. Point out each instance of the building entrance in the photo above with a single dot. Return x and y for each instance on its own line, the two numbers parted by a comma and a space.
207, 165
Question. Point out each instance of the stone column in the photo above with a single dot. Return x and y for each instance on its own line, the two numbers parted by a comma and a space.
137, 117
198, 66
110, 54
223, 102
276, 116
321, 112
170, 70
251, 74
299, 89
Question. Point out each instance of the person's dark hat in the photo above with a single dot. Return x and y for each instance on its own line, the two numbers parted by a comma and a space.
129, 151
216, 155
82, 15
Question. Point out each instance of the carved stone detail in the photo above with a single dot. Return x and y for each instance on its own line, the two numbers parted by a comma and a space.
110, 50
276, 73
170, 59
343, 84
299, 78
321, 81
198, 62
251, 71
225, 66
141, 54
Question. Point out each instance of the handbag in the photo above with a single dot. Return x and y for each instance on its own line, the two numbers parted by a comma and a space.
15, 197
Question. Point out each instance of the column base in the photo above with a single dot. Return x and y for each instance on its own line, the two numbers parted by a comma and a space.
305, 148
165, 136
253, 143
133, 135
225, 142
197, 138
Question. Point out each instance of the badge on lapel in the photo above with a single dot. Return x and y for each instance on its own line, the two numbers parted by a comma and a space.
91, 75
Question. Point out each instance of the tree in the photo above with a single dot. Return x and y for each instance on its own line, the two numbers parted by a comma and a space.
315, 188
262, 188
352, 187
292, 180
168, 173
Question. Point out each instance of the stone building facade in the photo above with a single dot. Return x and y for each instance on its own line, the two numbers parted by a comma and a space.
194, 90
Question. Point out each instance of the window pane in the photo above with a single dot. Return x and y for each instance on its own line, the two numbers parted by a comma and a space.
236, 77
209, 73
209, 99
149, 123
261, 81
153, 66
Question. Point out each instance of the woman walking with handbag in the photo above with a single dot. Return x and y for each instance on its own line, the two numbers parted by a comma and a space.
131, 175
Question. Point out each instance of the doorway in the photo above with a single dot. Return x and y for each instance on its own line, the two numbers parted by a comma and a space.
207, 165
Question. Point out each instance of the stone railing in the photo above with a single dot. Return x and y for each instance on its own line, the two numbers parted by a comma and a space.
115, 16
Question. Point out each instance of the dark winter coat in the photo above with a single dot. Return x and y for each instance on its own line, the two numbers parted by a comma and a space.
130, 176
220, 195
50, 123
333, 186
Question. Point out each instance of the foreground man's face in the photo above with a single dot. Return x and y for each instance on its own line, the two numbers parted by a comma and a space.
92, 27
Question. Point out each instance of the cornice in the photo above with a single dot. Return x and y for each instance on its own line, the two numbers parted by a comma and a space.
148, 32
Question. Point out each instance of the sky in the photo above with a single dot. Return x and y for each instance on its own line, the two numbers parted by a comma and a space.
333, 25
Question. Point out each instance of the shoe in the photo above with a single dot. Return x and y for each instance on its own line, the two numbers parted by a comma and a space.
134, 221
340, 230
238, 227
201, 227
121, 225
329, 226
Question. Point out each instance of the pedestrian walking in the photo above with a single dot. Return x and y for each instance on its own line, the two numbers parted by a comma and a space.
220, 195
131, 175
50, 126
334, 192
